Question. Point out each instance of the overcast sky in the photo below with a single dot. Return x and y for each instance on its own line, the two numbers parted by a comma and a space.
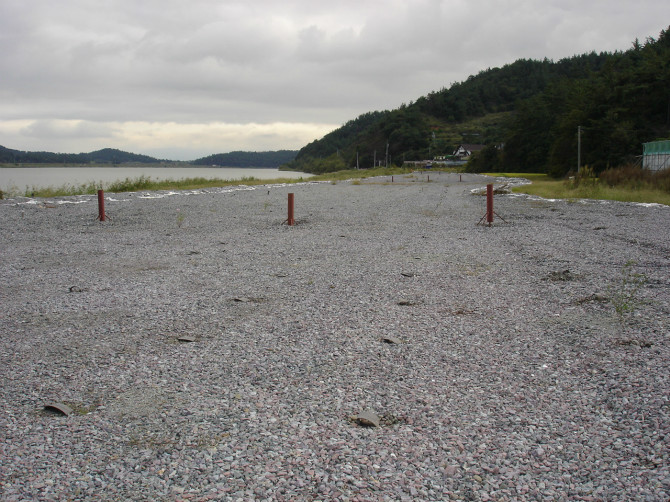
184, 79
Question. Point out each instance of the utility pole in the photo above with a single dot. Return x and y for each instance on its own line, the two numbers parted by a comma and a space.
387, 154
374, 162
579, 148
357, 160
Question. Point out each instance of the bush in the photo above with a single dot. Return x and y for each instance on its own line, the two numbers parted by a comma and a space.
661, 180
628, 175
584, 177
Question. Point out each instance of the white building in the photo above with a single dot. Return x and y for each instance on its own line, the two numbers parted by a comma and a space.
656, 155
464, 151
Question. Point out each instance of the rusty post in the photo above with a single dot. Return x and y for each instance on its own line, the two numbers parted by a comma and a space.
460, 177
101, 205
291, 220
391, 179
489, 215
429, 178
489, 203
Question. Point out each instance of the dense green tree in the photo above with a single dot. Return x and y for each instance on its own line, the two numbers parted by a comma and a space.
620, 103
487, 160
529, 137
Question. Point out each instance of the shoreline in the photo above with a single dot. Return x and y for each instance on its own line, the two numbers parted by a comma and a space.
66, 179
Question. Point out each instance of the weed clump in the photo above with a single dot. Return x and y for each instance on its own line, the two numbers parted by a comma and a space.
624, 293
180, 218
636, 178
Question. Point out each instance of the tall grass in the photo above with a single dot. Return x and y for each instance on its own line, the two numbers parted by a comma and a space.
637, 178
624, 184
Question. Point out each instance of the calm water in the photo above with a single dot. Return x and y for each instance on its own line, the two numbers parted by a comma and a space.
16, 179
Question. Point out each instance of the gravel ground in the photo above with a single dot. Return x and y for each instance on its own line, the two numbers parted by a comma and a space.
515, 378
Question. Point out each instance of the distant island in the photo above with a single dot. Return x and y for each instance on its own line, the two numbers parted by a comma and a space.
114, 157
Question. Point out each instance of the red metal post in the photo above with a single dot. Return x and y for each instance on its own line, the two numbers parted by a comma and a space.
291, 219
391, 179
101, 205
489, 203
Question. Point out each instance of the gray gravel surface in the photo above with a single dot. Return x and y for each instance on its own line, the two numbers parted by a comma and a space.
515, 378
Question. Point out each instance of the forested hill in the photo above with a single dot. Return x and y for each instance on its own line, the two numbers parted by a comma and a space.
104, 156
533, 108
248, 159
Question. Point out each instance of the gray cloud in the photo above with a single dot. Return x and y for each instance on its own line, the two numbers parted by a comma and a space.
52, 129
235, 62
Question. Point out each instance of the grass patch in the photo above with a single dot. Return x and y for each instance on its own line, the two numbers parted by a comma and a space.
628, 189
624, 293
559, 189
360, 174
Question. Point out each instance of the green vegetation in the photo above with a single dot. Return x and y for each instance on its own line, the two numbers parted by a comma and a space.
625, 184
558, 189
357, 174
618, 107
334, 151
624, 294
527, 114
180, 218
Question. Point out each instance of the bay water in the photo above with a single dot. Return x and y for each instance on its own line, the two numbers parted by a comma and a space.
18, 180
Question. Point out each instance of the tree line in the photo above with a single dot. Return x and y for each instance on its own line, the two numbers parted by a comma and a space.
609, 112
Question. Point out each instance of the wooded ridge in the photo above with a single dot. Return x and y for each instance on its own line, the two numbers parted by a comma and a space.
248, 159
527, 113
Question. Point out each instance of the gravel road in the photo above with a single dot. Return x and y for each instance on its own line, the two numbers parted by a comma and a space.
532, 357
